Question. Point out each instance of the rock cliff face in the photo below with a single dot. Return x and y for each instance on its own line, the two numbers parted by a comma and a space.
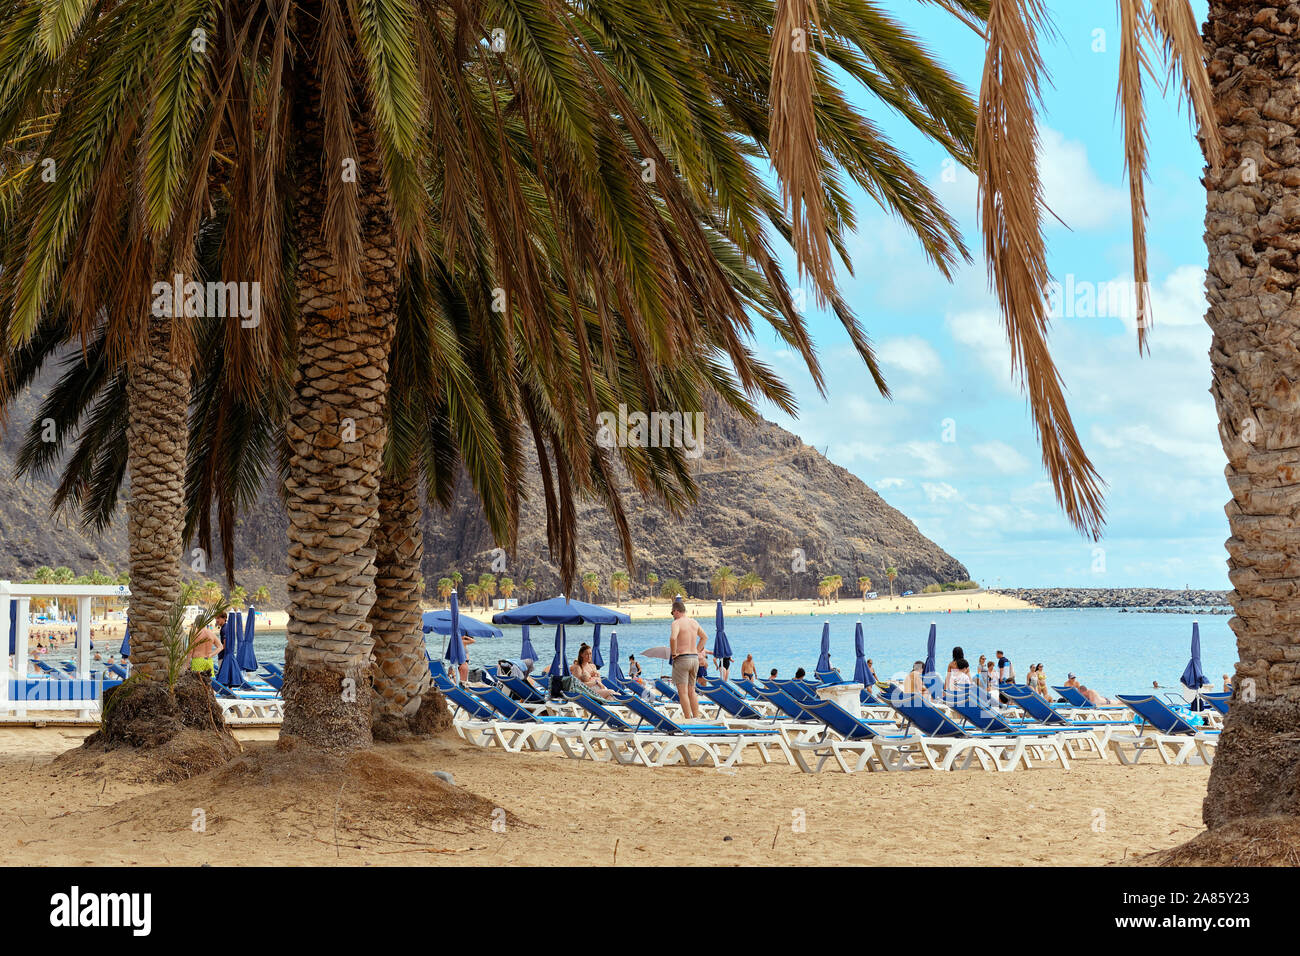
763, 494
768, 503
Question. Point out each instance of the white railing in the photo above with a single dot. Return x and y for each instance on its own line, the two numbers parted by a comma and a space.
17, 664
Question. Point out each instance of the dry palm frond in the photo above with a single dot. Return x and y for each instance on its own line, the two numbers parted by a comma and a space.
796, 152
1011, 203
1133, 62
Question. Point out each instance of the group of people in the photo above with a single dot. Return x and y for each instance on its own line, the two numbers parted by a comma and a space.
989, 676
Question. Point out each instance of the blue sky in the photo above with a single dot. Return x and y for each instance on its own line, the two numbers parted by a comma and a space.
955, 450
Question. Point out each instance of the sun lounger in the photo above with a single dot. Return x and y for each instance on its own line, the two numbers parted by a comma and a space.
975, 710
852, 743
1171, 737
241, 706
667, 689
1075, 701
1000, 751
667, 742
1219, 700
1037, 708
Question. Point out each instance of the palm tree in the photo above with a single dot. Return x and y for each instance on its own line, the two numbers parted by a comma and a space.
672, 588
652, 580
473, 594
864, 585
529, 586
751, 584
724, 582
507, 588
262, 595
238, 597
619, 582
487, 586
823, 590
836, 582
445, 587
891, 572
352, 228
591, 584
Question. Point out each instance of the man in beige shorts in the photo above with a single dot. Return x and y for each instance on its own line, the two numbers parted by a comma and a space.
686, 655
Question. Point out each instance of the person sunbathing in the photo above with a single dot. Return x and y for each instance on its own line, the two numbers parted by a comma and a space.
584, 670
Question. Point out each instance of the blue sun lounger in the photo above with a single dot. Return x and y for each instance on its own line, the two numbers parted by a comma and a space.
667, 689
1219, 700
1005, 750
1172, 738
1073, 697
667, 742
1037, 708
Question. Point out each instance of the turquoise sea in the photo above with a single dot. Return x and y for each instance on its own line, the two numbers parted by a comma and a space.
1111, 651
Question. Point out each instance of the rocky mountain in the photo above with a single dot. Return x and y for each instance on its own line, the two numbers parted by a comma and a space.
768, 503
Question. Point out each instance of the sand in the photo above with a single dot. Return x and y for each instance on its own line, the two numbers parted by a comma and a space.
954, 601
563, 811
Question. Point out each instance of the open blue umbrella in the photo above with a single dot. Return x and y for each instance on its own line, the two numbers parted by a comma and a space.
1193, 676
560, 610
824, 662
721, 646
615, 672
527, 651
861, 672
596, 659
455, 646
229, 672
125, 649
560, 663
439, 622
247, 657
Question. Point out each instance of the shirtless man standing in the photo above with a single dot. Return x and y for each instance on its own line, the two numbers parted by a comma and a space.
686, 655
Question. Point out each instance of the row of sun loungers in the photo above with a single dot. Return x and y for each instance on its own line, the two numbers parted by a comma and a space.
788, 719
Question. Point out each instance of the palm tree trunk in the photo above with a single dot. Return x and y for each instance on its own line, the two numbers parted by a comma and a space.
336, 436
1252, 228
405, 701
158, 391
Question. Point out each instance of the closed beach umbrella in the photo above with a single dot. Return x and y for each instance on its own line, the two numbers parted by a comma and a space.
527, 652
455, 646
721, 646
247, 658
1193, 676
13, 627
861, 672
560, 663
929, 650
595, 648
824, 662
615, 672
229, 672
125, 649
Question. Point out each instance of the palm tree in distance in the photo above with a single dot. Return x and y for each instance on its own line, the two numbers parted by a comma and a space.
591, 585
724, 583
864, 585
751, 584
619, 582
891, 572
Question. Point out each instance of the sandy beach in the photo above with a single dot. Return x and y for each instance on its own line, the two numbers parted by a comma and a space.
561, 811
954, 601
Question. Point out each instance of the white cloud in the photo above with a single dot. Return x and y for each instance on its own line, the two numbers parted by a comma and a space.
912, 355
1071, 187
1001, 456
940, 491
980, 334
885, 484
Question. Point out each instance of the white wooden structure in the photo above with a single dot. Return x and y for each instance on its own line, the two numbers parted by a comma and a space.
19, 691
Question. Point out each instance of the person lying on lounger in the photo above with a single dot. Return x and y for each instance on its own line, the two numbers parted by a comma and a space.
585, 671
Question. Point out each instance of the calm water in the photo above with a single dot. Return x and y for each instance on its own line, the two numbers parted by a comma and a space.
1111, 651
